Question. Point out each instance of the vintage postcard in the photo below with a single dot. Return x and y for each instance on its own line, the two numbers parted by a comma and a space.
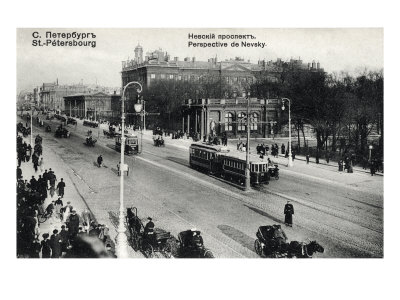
200, 143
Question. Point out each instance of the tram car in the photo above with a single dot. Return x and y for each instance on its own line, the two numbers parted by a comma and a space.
218, 161
131, 144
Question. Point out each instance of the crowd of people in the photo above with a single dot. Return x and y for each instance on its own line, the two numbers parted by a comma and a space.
79, 236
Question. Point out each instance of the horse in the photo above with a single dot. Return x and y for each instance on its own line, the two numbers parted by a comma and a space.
303, 250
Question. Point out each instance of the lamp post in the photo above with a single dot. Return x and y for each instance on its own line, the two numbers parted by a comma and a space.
31, 124
247, 172
138, 108
290, 162
370, 152
122, 241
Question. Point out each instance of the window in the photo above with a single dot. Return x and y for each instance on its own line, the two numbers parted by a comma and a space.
153, 76
254, 121
171, 76
242, 121
179, 77
228, 121
162, 76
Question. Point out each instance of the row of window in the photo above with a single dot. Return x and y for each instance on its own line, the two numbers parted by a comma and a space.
234, 164
254, 119
202, 154
197, 78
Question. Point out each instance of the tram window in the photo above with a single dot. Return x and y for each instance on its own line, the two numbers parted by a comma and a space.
256, 168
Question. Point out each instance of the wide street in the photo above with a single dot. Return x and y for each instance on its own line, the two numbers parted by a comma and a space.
341, 211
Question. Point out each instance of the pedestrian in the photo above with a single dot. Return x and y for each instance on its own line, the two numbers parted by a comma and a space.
45, 246
41, 164
35, 248
100, 160
64, 239
340, 164
87, 219
19, 173
288, 211
66, 211
372, 167
308, 158
58, 204
60, 188
55, 243
73, 225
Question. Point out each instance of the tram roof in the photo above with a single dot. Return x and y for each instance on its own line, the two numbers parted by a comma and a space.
216, 148
252, 158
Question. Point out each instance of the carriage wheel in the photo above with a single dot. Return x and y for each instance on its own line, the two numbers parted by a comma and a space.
42, 218
257, 247
148, 250
208, 254
167, 251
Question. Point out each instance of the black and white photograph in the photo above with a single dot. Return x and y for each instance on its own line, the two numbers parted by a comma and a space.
200, 150
200, 143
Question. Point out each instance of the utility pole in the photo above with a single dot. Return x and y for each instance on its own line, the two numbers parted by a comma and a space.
247, 172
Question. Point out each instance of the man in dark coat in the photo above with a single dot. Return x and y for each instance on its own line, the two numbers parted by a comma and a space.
35, 248
73, 225
33, 183
64, 239
19, 173
55, 243
46, 249
60, 187
289, 211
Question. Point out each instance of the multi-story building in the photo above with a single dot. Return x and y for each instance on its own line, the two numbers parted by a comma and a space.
52, 94
93, 106
237, 72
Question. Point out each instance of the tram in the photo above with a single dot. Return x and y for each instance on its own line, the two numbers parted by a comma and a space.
131, 144
217, 161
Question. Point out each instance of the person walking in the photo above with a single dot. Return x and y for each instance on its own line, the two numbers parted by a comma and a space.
64, 239
100, 161
87, 219
60, 188
55, 243
45, 246
58, 205
308, 158
73, 225
41, 164
289, 212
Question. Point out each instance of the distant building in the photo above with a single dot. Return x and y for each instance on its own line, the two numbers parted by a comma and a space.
237, 72
93, 106
52, 95
215, 116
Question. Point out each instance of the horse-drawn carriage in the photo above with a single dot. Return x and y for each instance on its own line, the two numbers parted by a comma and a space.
191, 245
71, 121
274, 171
61, 132
148, 243
90, 141
158, 140
272, 242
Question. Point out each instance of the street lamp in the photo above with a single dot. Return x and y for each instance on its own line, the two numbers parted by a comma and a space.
290, 162
138, 108
247, 172
122, 241
370, 152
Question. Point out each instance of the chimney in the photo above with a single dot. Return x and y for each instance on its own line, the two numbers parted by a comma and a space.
187, 58
176, 58
318, 65
313, 64
193, 59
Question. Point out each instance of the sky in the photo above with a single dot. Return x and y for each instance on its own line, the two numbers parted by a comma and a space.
337, 50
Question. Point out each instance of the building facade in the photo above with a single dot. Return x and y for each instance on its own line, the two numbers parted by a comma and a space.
215, 116
51, 95
93, 106
237, 73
